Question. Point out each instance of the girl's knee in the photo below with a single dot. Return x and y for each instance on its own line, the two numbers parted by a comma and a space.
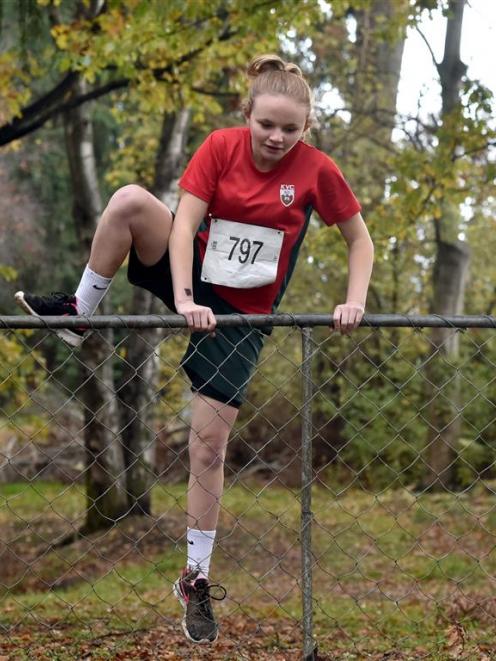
207, 454
128, 202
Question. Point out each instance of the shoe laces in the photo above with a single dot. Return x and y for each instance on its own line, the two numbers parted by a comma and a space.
59, 295
203, 593
204, 588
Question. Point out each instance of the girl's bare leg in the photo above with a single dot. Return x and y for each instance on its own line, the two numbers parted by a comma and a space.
133, 215
211, 425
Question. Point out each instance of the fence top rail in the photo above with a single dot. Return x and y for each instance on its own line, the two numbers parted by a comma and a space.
253, 320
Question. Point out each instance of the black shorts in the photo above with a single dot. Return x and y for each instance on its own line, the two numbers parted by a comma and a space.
219, 367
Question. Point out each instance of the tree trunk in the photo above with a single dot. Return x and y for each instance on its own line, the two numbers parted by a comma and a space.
170, 155
450, 274
372, 92
449, 281
105, 478
375, 84
138, 389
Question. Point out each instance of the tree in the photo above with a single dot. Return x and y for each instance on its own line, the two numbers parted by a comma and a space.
449, 274
105, 474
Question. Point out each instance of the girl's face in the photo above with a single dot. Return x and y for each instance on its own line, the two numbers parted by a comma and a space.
276, 124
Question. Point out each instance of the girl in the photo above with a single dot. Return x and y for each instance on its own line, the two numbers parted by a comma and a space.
247, 197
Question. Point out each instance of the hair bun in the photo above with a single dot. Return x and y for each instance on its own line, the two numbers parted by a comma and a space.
271, 62
270, 74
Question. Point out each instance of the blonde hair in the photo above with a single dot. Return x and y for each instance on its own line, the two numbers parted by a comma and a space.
270, 74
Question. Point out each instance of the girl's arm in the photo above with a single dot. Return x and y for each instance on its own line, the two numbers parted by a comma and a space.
360, 260
190, 213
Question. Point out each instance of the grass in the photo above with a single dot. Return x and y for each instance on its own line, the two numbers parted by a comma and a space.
394, 574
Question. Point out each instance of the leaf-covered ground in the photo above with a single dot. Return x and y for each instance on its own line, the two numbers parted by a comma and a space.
396, 577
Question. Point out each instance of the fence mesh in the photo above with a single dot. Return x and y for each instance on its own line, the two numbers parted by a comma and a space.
358, 511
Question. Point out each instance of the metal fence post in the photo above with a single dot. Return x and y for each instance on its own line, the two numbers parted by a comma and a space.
309, 647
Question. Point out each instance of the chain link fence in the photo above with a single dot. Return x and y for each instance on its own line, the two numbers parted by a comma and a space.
358, 515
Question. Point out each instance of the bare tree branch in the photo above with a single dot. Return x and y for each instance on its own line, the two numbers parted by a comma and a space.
434, 61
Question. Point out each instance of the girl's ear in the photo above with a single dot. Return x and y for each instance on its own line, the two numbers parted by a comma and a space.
246, 107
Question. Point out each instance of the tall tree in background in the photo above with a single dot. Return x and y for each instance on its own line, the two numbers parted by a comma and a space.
106, 484
450, 270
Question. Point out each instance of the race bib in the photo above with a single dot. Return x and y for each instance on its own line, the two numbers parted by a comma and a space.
241, 255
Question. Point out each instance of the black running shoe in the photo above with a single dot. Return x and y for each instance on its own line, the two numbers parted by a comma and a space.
198, 623
54, 305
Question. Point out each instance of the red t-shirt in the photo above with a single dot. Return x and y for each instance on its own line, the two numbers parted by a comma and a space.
222, 173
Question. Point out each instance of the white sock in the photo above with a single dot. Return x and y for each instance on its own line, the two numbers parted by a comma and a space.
90, 292
200, 545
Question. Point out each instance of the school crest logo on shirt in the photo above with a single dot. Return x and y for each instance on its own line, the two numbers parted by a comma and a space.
287, 194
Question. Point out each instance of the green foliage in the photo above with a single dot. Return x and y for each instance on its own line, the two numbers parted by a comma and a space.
19, 375
473, 458
173, 44
23, 27
11, 77
7, 273
173, 386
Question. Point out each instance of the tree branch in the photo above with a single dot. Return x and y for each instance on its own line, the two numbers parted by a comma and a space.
434, 61
53, 104
59, 98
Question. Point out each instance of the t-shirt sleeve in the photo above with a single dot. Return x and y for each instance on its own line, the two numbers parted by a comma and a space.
334, 201
202, 172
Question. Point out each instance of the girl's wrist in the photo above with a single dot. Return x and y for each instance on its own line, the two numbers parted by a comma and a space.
357, 304
186, 295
